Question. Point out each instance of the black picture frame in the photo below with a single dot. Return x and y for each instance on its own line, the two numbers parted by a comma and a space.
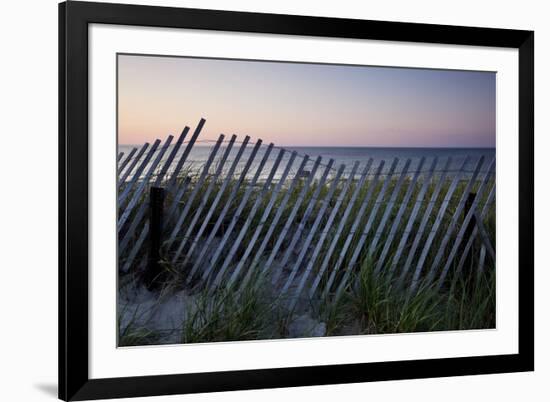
74, 381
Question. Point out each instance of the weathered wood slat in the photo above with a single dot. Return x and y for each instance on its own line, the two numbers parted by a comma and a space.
126, 160
142, 184
201, 259
174, 173
176, 200
236, 243
357, 220
184, 156
432, 233
137, 175
142, 209
313, 230
372, 216
309, 181
266, 212
293, 212
169, 160
143, 235
485, 243
485, 237
397, 220
457, 239
206, 194
135, 250
137, 245
196, 189
325, 231
470, 242
423, 224
280, 209
220, 218
125, 173
297, 233
481, 263
412, 217
339, 230
454, 220
389, 208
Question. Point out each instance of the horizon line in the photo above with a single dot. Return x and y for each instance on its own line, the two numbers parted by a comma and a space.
197, 144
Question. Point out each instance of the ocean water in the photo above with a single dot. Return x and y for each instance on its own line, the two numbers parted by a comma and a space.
451, 160
458, 156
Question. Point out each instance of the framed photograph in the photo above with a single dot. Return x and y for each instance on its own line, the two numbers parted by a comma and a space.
258, 200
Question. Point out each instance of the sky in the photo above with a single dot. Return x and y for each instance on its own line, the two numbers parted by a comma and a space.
305, 104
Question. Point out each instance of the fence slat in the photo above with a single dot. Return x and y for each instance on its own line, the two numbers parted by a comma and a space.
170, 159
126, 160
135, 250
293, 212
206, 194
305, 217
481, 264
173, 175
266, 212
183, 158
485, 237
201, 258
176, 200
484, 211
252, 212
206, 220
414, 212
136, 176
140, 214
313, 230
460, 235
143, 235
358, 217
122, 179
339, 229
389, 208
274, 222
143, 184
454, 220
485, 243
423, 223
372, 216
433, 231
400, 213
324, 232
196, 189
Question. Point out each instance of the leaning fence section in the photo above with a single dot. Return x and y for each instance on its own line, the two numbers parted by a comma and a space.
302, 223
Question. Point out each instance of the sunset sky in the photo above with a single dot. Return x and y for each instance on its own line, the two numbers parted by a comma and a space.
305, 104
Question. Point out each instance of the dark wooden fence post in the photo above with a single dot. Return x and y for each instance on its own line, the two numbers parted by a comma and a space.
156, 211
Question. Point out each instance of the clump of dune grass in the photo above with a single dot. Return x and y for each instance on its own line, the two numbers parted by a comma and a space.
374, 304
381, 307
225, 314
471, 302
335, 314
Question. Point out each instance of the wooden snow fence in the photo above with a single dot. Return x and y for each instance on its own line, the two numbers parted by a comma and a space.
248, 212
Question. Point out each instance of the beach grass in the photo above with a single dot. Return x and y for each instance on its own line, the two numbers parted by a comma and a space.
370, 302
